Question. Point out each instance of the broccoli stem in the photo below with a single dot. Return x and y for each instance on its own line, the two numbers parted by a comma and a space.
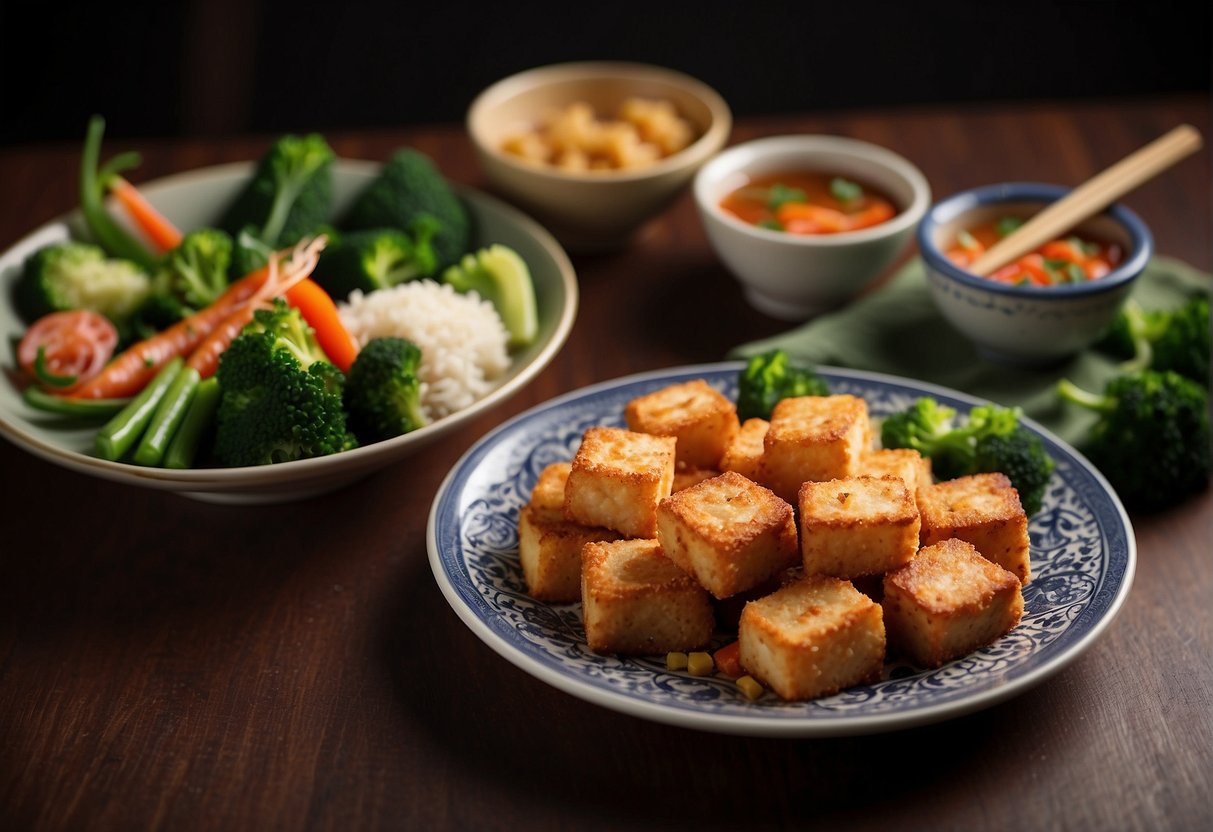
1070, 391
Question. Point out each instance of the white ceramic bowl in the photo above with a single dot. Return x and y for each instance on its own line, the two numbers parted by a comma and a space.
797, 276
593, 210
1028, 325
196, 198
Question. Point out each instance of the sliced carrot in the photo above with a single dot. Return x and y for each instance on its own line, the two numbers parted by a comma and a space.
158, 228
205, 357
824, 220
728, 660
320, 312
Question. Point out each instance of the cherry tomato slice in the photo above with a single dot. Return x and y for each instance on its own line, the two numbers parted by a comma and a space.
74, 344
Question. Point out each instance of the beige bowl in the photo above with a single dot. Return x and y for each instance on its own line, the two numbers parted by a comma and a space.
597, 209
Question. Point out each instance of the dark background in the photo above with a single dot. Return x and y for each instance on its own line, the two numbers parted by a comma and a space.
228, 67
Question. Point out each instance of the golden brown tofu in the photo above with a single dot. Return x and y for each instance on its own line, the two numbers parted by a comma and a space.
700, 417
907, 463
547, 497
636, 601
813, 438
948, 601
730, 533
983, 509
686, 475
812, 638
549, 549
744, 453
617, 478
857, 526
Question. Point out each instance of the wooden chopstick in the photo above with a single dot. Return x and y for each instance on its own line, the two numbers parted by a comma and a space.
1091, 197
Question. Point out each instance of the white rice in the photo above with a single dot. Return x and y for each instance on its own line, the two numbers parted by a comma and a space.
461, 337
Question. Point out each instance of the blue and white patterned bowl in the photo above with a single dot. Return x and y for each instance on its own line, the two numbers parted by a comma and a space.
1027, 325
1083, 556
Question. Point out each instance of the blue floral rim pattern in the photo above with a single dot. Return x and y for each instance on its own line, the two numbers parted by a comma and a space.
1083, 556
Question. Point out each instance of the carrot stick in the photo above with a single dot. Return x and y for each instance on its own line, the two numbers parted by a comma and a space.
159, 229
320, 312
205, 357
131, 371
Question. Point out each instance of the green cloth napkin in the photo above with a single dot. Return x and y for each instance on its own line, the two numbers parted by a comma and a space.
897, 330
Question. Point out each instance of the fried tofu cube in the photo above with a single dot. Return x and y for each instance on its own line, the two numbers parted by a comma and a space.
813, 438
547, 497
730, 533
906, 463
744, 453
700, 417
983, 509
812, 638
617, 478
687, 475
549, 546
856, 526
636, 601
949, 601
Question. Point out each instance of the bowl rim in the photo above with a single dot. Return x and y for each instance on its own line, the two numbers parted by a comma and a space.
740, 156
953, 206
712, 138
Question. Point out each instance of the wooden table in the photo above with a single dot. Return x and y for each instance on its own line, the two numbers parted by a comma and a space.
166, 663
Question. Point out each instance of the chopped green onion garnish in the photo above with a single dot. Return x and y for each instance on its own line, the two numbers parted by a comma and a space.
779, 194
1007, 224
1075, 273
772, 224
844, 190
44, 375
967, 240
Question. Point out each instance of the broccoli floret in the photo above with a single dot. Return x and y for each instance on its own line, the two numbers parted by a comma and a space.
1161, 339
281, 398
499, 275
1183, 345
77, 275
383, 390
990, 439
1152, 437
376, 258
289, 196
1021, 455
196, 271
769, 377
409, 186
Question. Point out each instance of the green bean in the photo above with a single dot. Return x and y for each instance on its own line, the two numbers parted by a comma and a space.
121, 432
39, 399
167, 419
184, 448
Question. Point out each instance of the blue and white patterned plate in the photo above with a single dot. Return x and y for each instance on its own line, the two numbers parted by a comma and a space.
1083, 556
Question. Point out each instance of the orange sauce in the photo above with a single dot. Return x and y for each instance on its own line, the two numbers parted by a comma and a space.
808, 202
1068, 260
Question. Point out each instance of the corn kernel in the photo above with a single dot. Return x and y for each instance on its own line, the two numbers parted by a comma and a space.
675, 661
700, 664
749, 687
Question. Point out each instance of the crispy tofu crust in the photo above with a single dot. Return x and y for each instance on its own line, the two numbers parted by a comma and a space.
856, 526
700, 417
983, 509
617, 478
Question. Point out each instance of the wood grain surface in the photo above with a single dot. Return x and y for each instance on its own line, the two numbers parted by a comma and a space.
172, 664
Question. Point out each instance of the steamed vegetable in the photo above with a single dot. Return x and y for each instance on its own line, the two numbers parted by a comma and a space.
122, 432
383, 391
769, 377
500, 276
281, 397
1162, 339
1152, 437
406, 188
196, 270
106, 231
991, 439
75, 275
159, 230
321, 315
289, 197
377, 258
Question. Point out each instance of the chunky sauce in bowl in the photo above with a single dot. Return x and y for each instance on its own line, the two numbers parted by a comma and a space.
807, 202
1068, 260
